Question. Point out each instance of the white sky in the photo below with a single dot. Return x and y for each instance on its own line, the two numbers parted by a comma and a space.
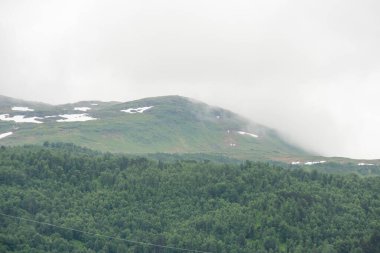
310, 69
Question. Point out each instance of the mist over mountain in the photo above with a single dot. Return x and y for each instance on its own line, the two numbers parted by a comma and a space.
310, 71
171, 124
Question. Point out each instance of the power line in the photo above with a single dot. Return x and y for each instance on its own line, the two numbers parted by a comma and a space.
105, 236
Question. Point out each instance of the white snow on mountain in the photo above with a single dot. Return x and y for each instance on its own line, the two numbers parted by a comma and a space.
137, 110
75, 117
22, 109
3, 135
83, 109
20, 119
245, 133
315, 162
366, 164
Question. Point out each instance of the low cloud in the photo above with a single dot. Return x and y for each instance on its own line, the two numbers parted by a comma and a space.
309, 70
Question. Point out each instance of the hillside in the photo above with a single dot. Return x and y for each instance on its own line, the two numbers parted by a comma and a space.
170, 124
251, 207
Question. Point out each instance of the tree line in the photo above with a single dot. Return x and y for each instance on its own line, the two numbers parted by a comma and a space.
200, 205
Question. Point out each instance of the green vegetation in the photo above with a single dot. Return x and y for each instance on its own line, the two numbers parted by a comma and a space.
174, 125
339, 168
201, 205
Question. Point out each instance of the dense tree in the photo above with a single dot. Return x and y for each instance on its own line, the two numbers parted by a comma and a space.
251, 207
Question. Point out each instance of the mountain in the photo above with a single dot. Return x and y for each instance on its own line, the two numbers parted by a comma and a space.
169, 124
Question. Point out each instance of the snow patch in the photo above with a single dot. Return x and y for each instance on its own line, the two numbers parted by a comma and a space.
83, 109
307, 163
94, 104
52, 116
218, 116
245, 133
366, 164
233, 144
315, 162
22, 109
5, 135
75, 117
20, 119
137, 110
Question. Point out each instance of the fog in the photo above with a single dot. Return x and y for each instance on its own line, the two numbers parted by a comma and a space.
310, 69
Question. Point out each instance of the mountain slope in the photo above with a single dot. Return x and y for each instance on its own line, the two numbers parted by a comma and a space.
250, 207
170, 124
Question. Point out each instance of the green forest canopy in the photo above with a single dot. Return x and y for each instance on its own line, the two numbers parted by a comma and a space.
200, 205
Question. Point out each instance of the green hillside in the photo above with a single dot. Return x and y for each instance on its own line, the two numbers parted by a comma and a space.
204, 206
171, 124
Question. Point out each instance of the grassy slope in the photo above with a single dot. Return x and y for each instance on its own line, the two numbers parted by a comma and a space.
174, 125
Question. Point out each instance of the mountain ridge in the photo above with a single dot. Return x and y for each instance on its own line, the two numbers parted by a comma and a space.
164, 124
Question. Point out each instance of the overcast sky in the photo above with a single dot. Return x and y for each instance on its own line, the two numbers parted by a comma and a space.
310, 69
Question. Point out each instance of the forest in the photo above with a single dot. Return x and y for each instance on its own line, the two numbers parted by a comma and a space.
103, 202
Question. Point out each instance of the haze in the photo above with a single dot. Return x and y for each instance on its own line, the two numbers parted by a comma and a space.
310, 69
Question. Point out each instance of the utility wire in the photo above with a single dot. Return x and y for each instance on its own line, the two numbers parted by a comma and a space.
105, 236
